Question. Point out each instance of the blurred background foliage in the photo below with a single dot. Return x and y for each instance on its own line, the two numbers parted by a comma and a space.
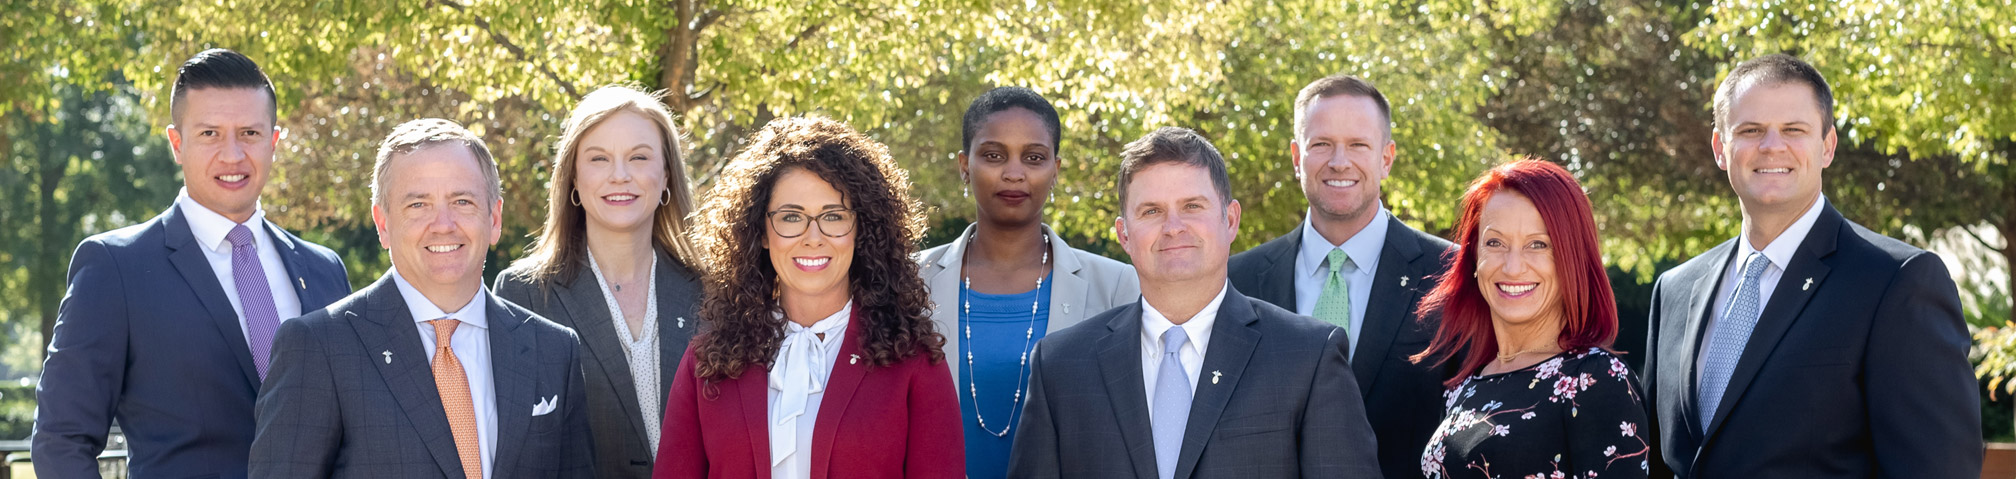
1616, 90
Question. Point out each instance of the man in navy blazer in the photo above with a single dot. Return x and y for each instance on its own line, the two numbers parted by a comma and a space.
1809, 346
1195, 380
166, 324
426, 373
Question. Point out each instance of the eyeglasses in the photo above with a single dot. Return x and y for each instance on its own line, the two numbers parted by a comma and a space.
794, 223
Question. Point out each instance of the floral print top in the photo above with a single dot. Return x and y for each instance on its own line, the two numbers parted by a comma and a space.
1577, 415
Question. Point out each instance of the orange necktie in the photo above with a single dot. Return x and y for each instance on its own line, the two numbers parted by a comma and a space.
454, 387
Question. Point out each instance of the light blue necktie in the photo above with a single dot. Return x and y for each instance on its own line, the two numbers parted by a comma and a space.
1732, 333
1172, 402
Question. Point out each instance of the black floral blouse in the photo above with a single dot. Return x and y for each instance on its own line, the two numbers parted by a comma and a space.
1576, 415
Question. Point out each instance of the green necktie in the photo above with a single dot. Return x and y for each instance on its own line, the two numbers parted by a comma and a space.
1334, 305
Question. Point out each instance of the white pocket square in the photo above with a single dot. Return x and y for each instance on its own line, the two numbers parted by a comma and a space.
546, 405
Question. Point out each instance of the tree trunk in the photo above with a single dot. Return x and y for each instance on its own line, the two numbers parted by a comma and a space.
47, 277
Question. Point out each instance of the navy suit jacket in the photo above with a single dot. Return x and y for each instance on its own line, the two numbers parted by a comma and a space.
1857, 367
1274, 399
1402, 400
146, 335
336, 405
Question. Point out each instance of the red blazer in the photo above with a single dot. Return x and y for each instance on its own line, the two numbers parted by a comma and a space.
891, 422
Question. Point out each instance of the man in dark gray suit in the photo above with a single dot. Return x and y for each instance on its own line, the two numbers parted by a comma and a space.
1342, 149
1195, 380
425, 373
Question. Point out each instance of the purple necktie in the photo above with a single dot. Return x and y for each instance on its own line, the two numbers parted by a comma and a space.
255, 298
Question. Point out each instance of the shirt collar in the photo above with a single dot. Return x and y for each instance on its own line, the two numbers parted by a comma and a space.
209, 228
1198, 328
1781, 248
1363, 247
834, 322
423, 310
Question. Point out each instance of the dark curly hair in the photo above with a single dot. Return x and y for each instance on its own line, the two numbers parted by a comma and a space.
741, 283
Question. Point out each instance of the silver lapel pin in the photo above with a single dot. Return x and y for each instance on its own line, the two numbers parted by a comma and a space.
1808, 285
853, 358
302, 281
1403, 281
1067, 308
1215, 375
388, 357
682, 321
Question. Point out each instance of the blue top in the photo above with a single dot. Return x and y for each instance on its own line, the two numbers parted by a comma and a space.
1001, 324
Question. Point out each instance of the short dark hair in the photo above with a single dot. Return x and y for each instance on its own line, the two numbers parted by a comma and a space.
1774, 69
1342, 85
1173, 145
1003, 98
219, 68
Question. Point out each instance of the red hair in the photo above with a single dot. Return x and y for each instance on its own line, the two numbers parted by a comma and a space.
1589, 309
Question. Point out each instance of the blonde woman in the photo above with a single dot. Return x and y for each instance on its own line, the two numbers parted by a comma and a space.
612, 263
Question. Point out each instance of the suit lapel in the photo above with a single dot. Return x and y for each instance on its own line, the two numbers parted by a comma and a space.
188, 258
1701, 296
513, 363
1387, 312
290, 258
588, 313
389, 327
676, 300
1786, 302
944, 286
1120, 367
1232, 342
1277, 284
841, 384
1067, 297
754, 387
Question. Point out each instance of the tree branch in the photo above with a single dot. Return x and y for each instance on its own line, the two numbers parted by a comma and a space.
1977, 238
497, 36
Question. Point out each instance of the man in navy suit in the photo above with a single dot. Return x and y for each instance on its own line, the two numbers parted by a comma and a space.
426, 373
1195, 380
1808, 346
167, 324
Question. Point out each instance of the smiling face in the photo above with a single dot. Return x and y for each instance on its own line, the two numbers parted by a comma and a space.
1174, 226
1012, 166
224, 141
1775, 147
1341, 157
619, 172
811, 266
1515, 261
438, 219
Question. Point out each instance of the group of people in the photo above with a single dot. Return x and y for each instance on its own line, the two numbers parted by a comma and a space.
786, 325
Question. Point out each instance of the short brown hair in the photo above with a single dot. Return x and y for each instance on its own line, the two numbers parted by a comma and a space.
1341, 85
413, 135
1774, 69
1173, 145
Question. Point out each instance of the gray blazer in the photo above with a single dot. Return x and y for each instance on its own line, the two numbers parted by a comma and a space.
1287, 405
351, 394
1086, 284
614, 416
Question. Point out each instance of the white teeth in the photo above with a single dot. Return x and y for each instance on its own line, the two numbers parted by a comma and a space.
812, 262
1509, 289
444, 248
1775, 170
621, 197
232, 178
1341, 183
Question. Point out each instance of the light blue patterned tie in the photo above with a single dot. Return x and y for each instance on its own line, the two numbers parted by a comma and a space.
1172, 403
1732, 333
1333, 305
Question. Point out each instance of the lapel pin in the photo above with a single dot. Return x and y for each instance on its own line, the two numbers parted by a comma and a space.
682, 322
302, 281
388, 357
1403, 281
1215, 375
1067, 308
853, 358
1808, 285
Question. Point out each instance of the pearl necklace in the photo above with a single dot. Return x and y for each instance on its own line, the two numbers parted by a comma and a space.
1028, 338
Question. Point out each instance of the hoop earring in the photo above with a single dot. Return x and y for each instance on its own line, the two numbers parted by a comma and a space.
574, 197
666, 198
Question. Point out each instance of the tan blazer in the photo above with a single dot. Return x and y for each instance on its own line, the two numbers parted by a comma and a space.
1086, 285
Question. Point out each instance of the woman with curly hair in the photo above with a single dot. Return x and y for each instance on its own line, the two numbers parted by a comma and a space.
819, 358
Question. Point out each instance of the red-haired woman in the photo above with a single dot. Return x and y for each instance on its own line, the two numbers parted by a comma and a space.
1540, 394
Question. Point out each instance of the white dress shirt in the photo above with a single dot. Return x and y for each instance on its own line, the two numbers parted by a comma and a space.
641, 350
1311, 272
471, 342
209, 229
1198, 328
797, 384
1779, 253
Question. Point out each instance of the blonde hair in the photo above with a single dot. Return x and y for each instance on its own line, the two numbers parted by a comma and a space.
560, 251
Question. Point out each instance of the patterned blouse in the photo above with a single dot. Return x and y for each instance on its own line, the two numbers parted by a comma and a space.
1576, 415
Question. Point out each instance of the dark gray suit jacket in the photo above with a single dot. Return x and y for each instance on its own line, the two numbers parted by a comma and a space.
1857, 367
1286, 405
614, 417
334, 405
1403, 400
